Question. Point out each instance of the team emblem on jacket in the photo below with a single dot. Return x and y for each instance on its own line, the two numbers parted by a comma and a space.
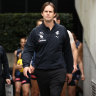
41, 37
57, 34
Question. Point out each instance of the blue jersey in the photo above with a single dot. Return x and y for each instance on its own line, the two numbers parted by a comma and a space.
18, 52
77, 44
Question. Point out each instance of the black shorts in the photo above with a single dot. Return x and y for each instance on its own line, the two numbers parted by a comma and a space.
33, 76
21, 78
75, 76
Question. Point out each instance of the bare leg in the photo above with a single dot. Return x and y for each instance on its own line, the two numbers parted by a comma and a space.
63, 93
25, 89
71, 90
17, 88
35, 88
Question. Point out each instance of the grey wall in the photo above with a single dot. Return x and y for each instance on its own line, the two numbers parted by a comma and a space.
10, 59
86, 10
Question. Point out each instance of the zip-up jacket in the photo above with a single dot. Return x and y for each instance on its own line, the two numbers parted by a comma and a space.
4, 63
52, 48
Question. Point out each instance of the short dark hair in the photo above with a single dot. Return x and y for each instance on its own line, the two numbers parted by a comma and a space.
23, 38
57, 16
46, 4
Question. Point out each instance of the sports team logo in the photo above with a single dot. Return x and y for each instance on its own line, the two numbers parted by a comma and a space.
41, 37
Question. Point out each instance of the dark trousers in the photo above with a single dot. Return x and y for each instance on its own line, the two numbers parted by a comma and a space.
50, 81
2, 86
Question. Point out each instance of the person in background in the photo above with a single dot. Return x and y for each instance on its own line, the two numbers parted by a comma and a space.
39, 22
53, 59
73, 85
4, 73
20, 80
34, 84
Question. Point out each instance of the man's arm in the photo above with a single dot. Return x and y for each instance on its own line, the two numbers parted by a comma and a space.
80, 61
15, 61
81, 68
28, 53
5, 66
68, 56
15, 66
74, 50
68, 53
75, 56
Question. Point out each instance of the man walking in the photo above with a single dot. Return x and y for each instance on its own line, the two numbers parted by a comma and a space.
53, 60
5, 74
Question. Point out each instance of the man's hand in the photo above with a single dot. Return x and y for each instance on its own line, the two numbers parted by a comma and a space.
25, 70
75, 68
8, 81
31, 69
82, 77
69, 77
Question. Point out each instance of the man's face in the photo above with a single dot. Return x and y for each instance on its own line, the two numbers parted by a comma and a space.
48, 13
22, 42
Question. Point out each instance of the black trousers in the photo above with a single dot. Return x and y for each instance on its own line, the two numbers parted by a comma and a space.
2, 86
50, 81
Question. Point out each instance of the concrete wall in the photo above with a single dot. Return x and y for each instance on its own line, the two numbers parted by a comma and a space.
86, 10
10, 59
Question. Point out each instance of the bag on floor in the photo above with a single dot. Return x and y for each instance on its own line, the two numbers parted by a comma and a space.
9, 89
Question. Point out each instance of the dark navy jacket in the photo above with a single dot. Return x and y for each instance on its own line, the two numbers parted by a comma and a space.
4, 62
52, 48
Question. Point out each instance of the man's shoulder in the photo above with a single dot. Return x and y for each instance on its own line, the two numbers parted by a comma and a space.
35, 29
1, 47
38, 27
61, 26
19, 50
